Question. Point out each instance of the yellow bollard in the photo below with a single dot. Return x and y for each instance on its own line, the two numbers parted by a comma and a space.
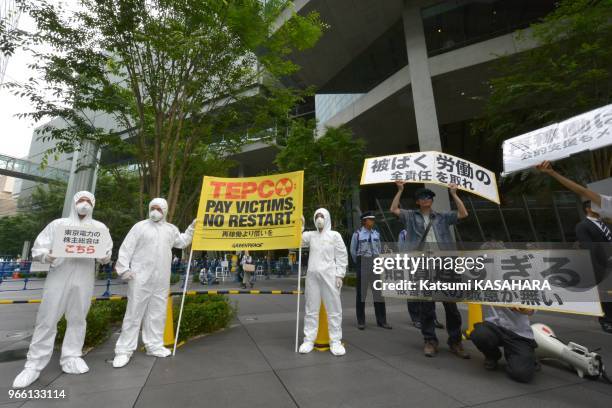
474, 316
169, 329
322, 341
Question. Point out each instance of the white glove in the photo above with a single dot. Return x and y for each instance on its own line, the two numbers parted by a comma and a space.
106, 259
303, 223
338, 282
193, 224
48, 258
127, 275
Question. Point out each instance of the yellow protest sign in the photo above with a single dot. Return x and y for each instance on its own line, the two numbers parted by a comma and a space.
253, 213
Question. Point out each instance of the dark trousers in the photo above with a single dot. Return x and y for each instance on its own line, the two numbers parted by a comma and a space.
453, 321
518, 350
414, 310
365, 278
606, 307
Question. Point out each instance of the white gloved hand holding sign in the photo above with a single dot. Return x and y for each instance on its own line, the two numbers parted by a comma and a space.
338, 282
106, 259
127, 275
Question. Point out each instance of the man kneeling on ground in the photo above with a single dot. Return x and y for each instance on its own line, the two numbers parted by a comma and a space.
510, 329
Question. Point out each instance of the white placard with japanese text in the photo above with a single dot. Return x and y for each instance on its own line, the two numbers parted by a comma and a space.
588, 131
569, 273
431, 167
80, 242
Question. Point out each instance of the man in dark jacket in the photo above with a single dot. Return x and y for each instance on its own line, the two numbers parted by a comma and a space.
593, 234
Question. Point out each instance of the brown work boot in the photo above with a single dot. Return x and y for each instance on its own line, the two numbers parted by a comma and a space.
457, 349
430, 349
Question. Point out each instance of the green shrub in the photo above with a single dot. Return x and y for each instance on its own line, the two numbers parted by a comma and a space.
195, 278
101, 275
203, 314
101, 316
174, 278
41, 275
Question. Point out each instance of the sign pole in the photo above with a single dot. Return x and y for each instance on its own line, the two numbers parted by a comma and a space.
297, 314
178, 324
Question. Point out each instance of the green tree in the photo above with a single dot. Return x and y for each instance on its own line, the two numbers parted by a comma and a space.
568, 73
43, 206
178, 78
331, 164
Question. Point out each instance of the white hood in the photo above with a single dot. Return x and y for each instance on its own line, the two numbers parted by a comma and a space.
326, 217
163, 204
74, 216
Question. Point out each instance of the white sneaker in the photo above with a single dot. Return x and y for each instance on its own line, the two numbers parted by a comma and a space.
121, 360
75, 365
159, 352
25, 378
337, 349
306, 347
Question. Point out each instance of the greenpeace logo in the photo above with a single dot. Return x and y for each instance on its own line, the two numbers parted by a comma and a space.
247, 245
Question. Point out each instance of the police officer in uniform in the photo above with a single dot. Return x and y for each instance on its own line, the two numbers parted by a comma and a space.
365, 246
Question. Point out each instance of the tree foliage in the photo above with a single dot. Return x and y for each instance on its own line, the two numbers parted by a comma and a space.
163, 81
568, 73
331, 164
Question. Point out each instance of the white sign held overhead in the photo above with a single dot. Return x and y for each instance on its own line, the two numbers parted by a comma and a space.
431, 167
588, 131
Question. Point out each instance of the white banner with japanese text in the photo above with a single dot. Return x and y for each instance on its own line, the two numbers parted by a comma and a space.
547, 279
588, 131
431, 167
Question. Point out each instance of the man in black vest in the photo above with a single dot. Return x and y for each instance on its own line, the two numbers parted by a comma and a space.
593, 233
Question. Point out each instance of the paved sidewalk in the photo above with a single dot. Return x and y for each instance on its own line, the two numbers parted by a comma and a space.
253, 364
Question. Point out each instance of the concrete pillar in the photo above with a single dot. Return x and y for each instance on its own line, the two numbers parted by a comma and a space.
422, 92
83, 173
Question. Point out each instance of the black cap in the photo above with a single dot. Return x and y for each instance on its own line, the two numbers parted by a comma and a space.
424, 193
368, 215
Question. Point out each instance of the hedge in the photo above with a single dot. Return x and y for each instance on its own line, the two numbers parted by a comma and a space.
202, 314
100, 319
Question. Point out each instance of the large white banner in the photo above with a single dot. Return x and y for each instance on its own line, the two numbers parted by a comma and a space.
570, 287
80, 242
589, 131
431, 167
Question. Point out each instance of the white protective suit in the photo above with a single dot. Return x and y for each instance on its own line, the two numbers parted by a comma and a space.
146, 255
327, 261
68, 290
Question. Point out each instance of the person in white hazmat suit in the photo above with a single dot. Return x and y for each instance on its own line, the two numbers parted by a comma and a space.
145, 258
68, 289
327, 264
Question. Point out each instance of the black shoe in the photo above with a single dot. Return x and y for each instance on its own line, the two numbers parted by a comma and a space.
252, 284
385, 326
361, 326
490, 364
607, 327
418, 325
438, 324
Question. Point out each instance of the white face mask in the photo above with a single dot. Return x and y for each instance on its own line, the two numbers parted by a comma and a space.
320, 223
84, 208
155, 215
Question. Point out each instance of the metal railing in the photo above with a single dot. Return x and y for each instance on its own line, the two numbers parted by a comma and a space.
25, 169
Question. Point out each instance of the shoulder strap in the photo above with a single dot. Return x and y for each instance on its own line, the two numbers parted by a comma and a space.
422, 241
